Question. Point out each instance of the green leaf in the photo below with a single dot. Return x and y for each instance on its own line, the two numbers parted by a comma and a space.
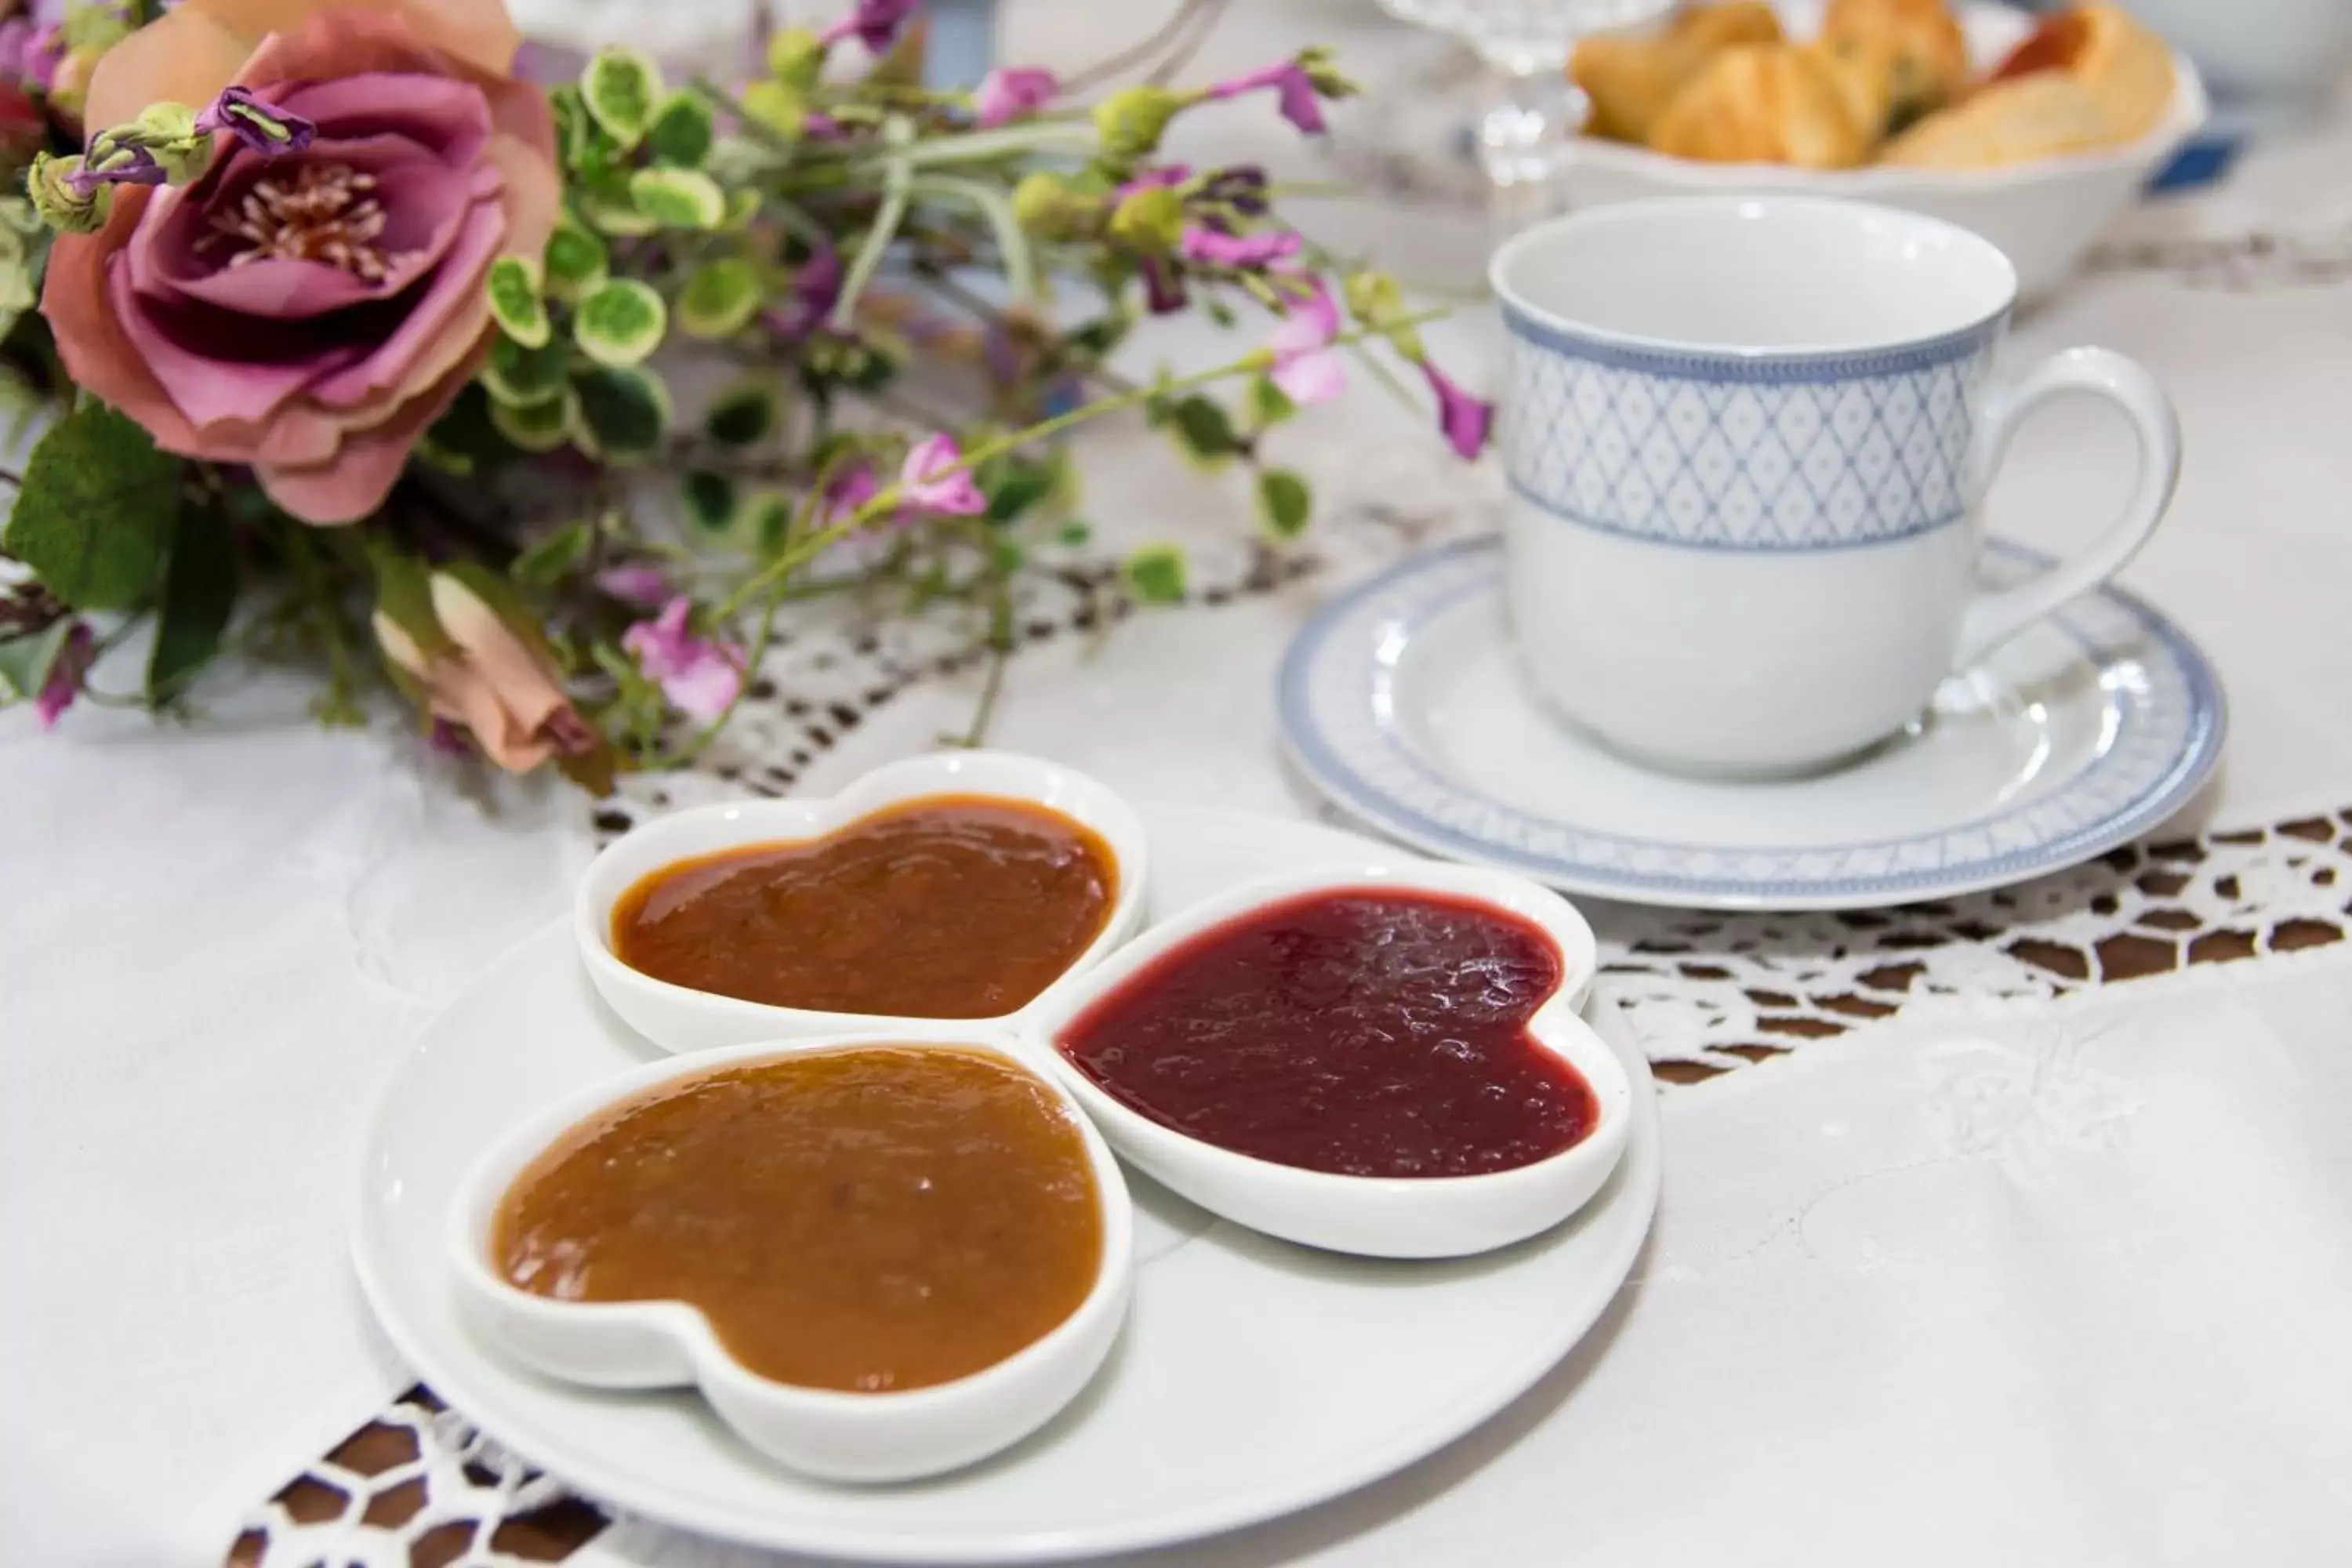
623, 90
1204, 429
534, 426
1269, 404
766, 524
744, 416
550, 559
1284, 503
519, 375
620, 322
514, 289
574, 128
1220, 315
682, 131
621, 414
719, 299
94, 517
613, 211
1074, 533
1102, 334
1015, 488
711, 502
1155, 575
24, 661
199, 593
577, 260
678, 198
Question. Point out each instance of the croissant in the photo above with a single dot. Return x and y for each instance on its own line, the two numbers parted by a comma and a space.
1630, 79
1916, 43
2036, 116
2126, 68
1763, 103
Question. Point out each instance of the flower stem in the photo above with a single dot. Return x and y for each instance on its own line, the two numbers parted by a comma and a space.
885, 501
897, 180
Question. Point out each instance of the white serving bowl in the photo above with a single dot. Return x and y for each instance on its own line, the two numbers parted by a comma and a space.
1437, 1217
2046, 214
821, 1432
679, 1019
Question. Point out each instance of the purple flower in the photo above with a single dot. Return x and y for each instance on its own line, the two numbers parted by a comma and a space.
816, 288
258, 124
1239, 251
1153, 179
1009, 94
699, 678
874, 23
923, 486
639, 583
63, 683
1164, 285
1304, 368
1241, 187
1464, 419
1294, 91
849, 491
443, 739
122, 167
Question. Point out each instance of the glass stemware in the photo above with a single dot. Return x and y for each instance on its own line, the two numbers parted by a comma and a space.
1533, 109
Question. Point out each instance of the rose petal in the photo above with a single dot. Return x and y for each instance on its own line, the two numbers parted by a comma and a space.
368, 463
449, 118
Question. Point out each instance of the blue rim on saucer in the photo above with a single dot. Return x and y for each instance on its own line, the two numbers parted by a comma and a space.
1340, 724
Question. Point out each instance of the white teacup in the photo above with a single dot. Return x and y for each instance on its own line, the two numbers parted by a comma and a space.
1748, 438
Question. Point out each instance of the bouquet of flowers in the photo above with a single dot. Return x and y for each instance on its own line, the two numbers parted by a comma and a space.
363, 345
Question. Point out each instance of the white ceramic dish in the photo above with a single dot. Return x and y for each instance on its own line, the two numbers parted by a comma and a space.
1403, 702
1451, 1216
1253, 1378
837, 1436
2045, 214
678, 1018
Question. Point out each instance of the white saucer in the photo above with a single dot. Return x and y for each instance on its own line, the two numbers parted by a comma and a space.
1253, 1377
1403, 703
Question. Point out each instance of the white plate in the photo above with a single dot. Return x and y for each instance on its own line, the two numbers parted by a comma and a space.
1253, 1378
1403, 702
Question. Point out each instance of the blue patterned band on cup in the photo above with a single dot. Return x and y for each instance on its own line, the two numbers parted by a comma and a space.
1727, 451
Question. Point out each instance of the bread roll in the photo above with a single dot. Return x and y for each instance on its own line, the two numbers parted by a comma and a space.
1630, 78
2037, 116
2126, 68
1916, 43
1763, 103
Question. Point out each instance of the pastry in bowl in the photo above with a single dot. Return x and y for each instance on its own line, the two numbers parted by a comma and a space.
1629, 79
1913, 48
1764, 103
2125, 70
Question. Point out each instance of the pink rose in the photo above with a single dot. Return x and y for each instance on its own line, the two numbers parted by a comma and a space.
310, 314
488, 681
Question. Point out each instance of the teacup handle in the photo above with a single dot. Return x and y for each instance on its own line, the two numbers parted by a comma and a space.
1993, 618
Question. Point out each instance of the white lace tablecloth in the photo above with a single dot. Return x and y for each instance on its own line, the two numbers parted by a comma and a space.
2031, 1244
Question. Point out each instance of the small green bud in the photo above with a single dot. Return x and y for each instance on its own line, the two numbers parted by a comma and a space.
780, 108
1046, 206
168, 131
63, 206
1131, 120
1151, 219
1325, 76
796, 58
1377, 300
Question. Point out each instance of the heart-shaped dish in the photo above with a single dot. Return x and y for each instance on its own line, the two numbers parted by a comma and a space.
833, 1435
1379, 1217
680, 1018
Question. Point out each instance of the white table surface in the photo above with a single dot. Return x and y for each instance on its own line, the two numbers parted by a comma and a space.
2046, 1284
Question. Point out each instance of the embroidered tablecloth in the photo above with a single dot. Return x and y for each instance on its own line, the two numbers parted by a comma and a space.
2033, 1226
